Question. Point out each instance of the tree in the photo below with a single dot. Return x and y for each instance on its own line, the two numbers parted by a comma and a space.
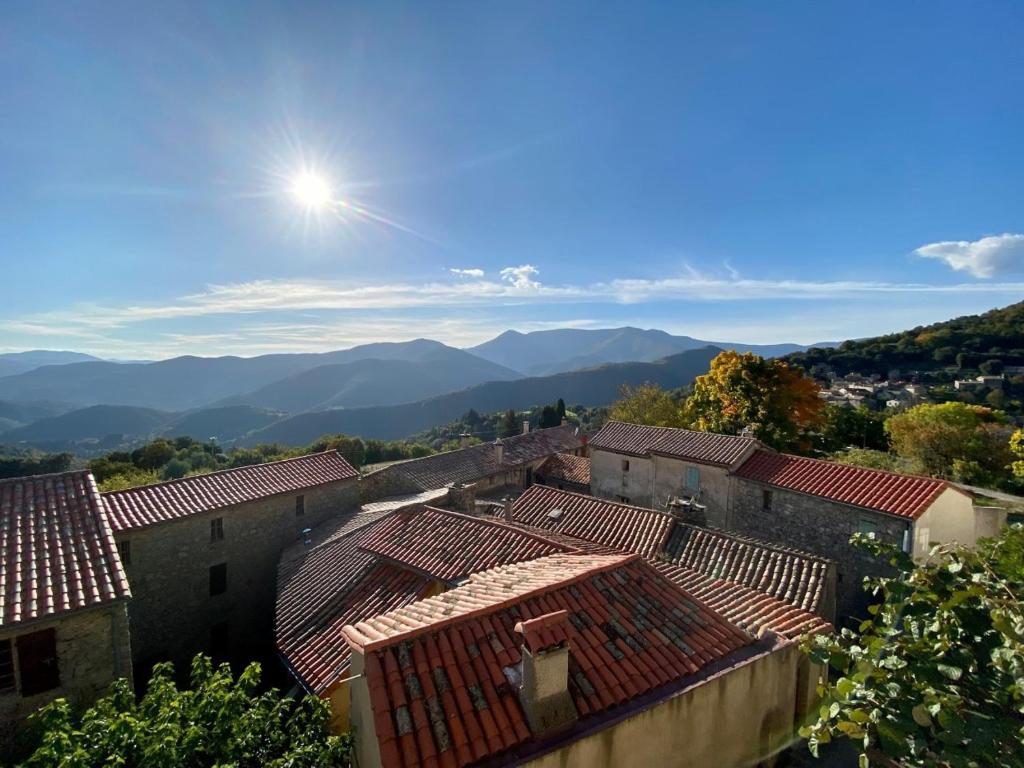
944, 355
352, 448
509, 424
936, 676
856, 427
777, 401
219, 721
129, 479
548, 417
647, 404
866, 457
951, 439
560, 408
1017, 449
153, 455
991, 367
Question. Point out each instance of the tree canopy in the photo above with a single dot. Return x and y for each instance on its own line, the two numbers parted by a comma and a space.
936, 676
217, 721
647, 404
774, 399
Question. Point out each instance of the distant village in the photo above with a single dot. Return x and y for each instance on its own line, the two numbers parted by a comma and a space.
549, 599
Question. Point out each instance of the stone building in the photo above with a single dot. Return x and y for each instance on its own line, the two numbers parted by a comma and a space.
565, 471
201, 553
63, 619
508, 462
653, 466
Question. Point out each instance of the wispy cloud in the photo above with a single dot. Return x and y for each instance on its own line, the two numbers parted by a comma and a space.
986, 258
467, 272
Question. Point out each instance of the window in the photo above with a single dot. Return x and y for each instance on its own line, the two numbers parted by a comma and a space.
219, 640
300, 506
766, 501
693, 478
217, 529
37, 662
218, 579
625, 465
124, 549
6, 666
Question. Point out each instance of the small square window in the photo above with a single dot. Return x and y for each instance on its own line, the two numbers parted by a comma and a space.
218, 579
6, 665
37, 662
217, 529
766, 501
625, 465
300, 506
124, 550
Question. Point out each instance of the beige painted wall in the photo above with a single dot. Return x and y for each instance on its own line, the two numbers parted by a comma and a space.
715, 484
950, 518
736, 719
92, 650
608, 480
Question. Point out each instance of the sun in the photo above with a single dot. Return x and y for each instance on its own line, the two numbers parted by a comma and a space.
311, 190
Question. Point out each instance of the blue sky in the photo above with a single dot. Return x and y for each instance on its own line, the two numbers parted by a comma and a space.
734, 171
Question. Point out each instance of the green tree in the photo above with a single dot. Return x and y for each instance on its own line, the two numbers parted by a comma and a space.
991, 367
153, 455
131, 478
951, 439
856, 427
560, 407
352, 448
777, 401
1017, 450
647, 404
866, 457
548, 417
509, 424
936, 676
944, 355
218, 721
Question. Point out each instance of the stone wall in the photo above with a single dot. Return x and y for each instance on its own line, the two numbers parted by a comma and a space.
715, 487
93, 650
820, 527
172, 614
610, 480
385, 482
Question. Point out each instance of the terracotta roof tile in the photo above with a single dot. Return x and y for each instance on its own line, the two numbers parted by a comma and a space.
901, 495
467, 465
702, 447
448, 545
798, 578
747, 608
57, 548
567, 467
437, 669
149, 504
621, 526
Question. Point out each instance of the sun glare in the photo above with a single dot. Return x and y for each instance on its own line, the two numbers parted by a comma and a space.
311, 190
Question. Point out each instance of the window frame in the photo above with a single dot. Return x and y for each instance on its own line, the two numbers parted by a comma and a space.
124, 551
300, 505
216, 529
625, 465
692, 471
767, 500
218, 583
45, 676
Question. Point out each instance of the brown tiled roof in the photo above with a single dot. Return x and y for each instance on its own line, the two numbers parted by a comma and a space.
57, 549
747, 608
149, 504
436, 669
701, 447
798, 578
448, 545
902, 495
467, 465
621, 526
567, 467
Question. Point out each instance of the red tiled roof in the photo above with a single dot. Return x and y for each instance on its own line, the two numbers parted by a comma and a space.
448, 545
747, 608
57, 549
798, 578
436, 669
545, 632
902, 495
149, 504
467, 465
622, 526
567, 467
702, 447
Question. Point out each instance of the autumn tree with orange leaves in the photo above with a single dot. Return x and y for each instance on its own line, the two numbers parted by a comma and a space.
777, 401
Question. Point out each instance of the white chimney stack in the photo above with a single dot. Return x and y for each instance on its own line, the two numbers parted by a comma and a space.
507, 508
464, 440
526, 426
499, 451
544, 690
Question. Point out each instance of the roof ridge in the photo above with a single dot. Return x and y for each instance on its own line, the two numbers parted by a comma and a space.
500, 523
549, 489
611, 561
25, 478
221, 472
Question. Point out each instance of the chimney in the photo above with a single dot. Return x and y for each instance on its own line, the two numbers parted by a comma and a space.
499, 451
544, 689
506, 504
565, 422
747, 431
464, 440
688, 511
526, 426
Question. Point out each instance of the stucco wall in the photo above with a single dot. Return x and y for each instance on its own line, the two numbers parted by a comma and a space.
715, 483
736, 718
820, 527
171, 613
609, 481
950, 518
93, 650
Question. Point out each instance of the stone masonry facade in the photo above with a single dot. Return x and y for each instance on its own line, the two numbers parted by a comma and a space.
822, 527
207, 581
93, 649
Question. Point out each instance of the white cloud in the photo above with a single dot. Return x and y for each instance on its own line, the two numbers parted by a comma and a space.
987, 257
521, 277
474, 272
